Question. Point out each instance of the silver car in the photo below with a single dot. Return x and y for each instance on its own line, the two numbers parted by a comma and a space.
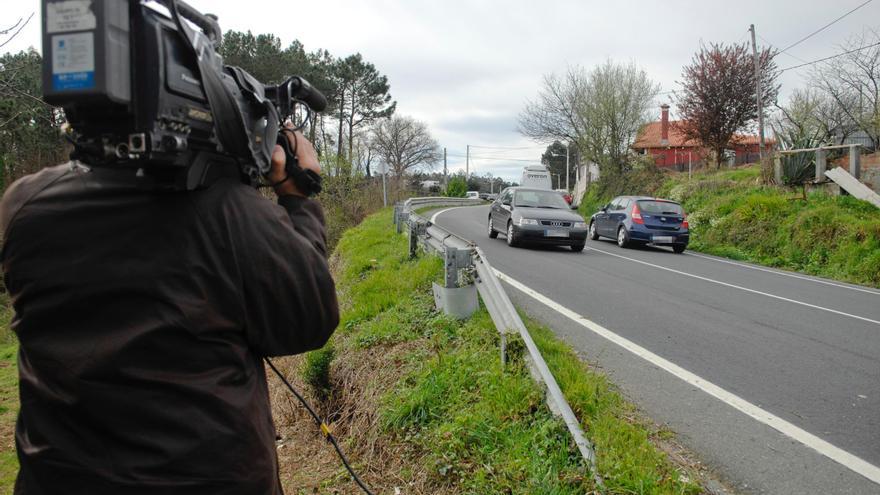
538, 216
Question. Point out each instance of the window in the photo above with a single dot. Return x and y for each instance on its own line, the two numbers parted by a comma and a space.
660, 207
539, 199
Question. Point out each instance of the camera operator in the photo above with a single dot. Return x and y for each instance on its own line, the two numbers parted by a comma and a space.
143, 317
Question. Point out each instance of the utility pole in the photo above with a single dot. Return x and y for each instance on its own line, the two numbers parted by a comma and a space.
758, 93
445, 180
567, 155
467, 163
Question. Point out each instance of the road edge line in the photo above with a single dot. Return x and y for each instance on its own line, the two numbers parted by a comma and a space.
823, 447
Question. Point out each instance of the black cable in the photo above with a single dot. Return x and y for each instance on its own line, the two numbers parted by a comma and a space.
325, 430
805, 38
830, 57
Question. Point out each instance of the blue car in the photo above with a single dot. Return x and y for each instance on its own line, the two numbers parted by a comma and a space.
642, 220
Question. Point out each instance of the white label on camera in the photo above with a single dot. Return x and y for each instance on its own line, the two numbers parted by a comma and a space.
70, 15
73, 61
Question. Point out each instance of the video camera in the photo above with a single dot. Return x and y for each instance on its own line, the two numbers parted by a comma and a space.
143, 87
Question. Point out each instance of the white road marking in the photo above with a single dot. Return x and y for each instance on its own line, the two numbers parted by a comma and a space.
825, 448
783, 273
746, 289
434, 216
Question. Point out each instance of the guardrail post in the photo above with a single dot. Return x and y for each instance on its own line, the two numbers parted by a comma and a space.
451, 268
855, 161
821, 165
413, 238
454, 298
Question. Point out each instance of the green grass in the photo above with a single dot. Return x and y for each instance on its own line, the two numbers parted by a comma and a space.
8, 396
473, 426
732, 214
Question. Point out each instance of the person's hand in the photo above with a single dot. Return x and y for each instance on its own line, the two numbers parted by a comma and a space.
305, 154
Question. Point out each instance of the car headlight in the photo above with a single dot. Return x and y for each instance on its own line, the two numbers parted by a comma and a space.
527, 221
580, 225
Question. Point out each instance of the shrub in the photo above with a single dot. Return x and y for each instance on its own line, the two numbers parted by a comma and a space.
457, 188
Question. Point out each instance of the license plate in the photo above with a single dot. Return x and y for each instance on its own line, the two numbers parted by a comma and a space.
555, 233
663, 239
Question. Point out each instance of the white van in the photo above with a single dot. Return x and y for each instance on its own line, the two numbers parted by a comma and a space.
536, 176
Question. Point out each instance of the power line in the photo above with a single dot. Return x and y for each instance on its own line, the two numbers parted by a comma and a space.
533, 160
765, 40
832, 56
805, 38
507, 147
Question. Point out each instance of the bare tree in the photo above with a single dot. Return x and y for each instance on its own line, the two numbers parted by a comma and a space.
800, 117
619, 99
9, 33
405, 144
555, 114
364, 154
600, 111
812, 115
852, 82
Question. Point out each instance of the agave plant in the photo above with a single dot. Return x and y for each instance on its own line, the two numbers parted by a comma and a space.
797, 168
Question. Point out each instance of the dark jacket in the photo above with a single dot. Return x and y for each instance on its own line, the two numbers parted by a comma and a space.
142, 319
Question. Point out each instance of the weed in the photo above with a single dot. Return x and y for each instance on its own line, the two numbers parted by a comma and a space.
316, 370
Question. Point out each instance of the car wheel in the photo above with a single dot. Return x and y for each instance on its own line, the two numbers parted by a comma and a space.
493, 234
623, 237
577, 248
594, 235
512, 241
679, 248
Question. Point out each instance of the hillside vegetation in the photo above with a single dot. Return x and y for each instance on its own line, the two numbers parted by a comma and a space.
8, 397
732, 214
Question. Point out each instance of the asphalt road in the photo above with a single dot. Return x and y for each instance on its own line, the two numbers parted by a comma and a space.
803, 349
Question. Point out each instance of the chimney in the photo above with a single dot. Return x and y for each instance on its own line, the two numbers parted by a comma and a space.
664, 124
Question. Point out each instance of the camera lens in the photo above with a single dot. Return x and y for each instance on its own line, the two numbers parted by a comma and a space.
122, 150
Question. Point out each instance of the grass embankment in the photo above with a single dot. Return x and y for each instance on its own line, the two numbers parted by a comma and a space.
732, 214
438, 414
8, 397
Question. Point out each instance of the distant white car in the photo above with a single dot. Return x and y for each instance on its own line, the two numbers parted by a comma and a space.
472, 195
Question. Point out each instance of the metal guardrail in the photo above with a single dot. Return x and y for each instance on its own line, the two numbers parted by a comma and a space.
463, 255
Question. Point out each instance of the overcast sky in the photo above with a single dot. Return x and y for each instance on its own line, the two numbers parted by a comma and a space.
466, 68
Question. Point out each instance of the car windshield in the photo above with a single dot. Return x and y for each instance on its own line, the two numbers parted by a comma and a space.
660, 208
539, 199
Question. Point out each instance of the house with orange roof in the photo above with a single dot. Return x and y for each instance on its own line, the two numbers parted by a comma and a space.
671, 149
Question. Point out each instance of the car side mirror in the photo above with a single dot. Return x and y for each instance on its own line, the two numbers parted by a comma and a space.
506, 202
604, 209
573, 207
